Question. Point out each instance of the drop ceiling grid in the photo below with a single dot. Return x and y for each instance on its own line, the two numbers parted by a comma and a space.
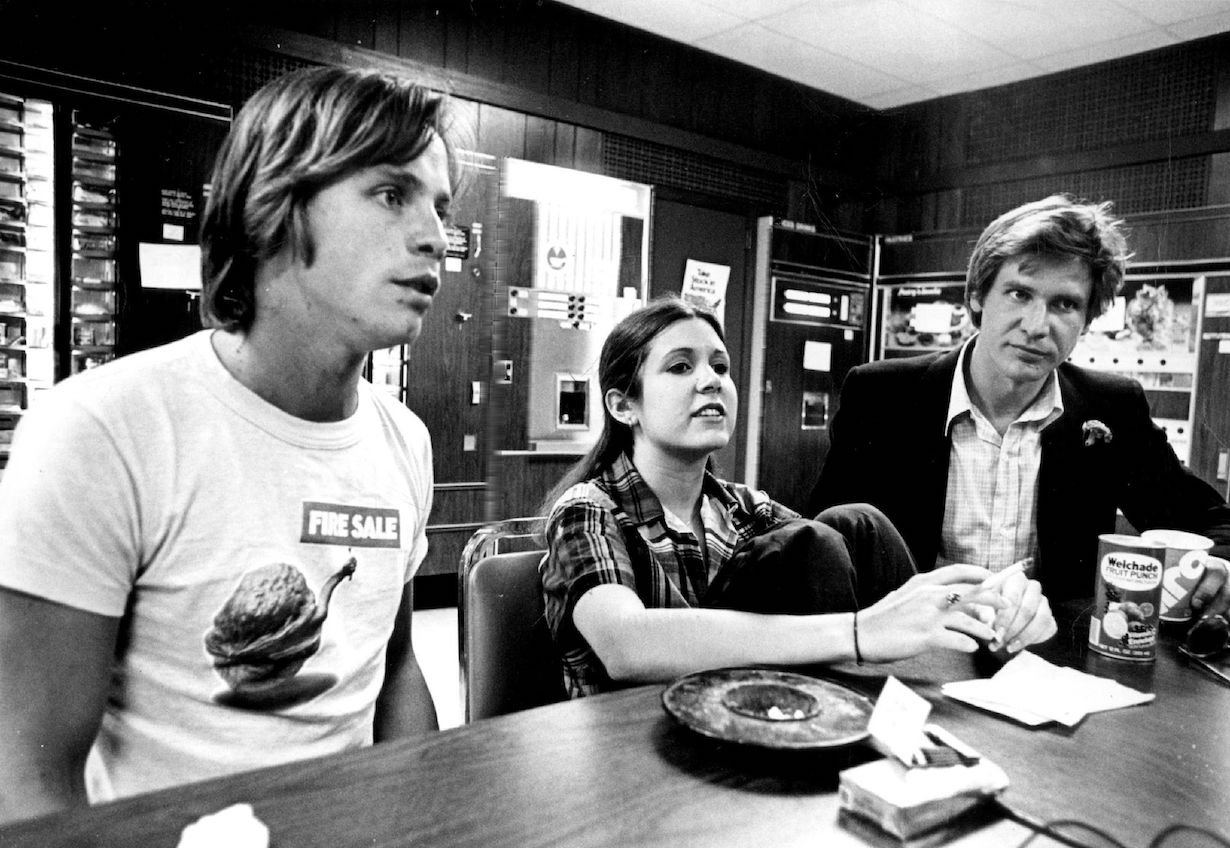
885, 53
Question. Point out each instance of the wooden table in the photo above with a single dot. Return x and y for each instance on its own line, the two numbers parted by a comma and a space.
617, 771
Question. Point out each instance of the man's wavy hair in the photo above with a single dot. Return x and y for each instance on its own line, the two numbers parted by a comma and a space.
297, 135
1054, 228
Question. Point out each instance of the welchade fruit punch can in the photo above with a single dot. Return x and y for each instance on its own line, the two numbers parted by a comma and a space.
1127, 597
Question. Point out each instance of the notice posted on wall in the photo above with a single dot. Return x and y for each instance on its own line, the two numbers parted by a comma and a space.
1217, 305
170, 266
704, 285
817, 356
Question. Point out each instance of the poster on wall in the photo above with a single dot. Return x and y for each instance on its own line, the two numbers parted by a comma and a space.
1151, 323
170, 266
704, 285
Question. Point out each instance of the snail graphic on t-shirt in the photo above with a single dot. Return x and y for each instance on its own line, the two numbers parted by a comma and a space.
269, 627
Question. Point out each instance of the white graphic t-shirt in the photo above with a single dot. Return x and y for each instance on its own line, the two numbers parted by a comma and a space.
256, 560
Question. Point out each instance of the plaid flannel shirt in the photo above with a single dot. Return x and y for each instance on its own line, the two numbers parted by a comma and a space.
613, 529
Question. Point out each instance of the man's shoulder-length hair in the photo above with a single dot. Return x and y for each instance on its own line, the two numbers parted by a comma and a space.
297, 135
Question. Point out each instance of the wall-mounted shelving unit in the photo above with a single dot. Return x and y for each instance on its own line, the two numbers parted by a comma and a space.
1151, 334
94, 266
27, 258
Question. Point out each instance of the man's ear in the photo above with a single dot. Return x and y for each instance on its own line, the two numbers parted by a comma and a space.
620, 407
975, 304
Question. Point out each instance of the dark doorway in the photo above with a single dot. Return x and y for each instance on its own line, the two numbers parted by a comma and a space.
683, 231
165, 167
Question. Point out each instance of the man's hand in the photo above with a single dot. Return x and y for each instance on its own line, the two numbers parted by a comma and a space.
1212, 594
1021, 615
1026, 617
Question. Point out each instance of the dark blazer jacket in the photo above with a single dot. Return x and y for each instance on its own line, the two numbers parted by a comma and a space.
889, 448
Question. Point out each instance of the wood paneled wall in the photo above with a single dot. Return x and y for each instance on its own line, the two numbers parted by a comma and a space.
546, 48
1150, 132
520, 481
1169, 239
535, 57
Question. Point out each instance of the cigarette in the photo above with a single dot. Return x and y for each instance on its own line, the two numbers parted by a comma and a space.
995, 581
999, 578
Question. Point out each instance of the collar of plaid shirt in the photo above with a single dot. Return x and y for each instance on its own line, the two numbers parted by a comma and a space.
675, 552
632, 494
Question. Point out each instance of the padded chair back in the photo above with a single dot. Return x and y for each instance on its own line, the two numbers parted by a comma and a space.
508, 659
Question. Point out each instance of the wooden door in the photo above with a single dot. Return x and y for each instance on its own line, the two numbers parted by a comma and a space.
797, 405
166, 160
446, 369
683, 231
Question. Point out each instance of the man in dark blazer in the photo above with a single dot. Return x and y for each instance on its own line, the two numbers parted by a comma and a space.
1057, 448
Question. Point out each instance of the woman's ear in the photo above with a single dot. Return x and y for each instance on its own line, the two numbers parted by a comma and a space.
620, 407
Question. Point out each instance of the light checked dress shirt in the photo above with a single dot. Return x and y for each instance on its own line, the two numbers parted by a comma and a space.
990, 510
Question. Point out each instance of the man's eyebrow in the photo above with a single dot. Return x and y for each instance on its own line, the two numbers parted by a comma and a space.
406, 180
396, 174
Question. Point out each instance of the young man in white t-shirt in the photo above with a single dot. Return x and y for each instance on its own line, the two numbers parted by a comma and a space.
206, 549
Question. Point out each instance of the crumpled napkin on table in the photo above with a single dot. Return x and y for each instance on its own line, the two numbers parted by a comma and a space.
1033, 691
234, 827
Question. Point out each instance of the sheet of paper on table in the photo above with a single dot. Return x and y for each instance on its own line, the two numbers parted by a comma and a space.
1033, 691
235, 826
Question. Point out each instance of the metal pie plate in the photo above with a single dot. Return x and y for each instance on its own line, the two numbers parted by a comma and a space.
768, 708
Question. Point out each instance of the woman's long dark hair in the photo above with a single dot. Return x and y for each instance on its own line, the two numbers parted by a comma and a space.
619, 367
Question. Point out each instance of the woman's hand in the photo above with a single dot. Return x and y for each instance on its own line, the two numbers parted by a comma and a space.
922, 614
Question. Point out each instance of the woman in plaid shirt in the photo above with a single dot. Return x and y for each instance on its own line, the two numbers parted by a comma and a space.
657, 568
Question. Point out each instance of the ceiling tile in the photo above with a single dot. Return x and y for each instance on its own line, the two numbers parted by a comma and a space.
1172, 11
605, 8
1029, 28
1200, 27
684, 22
879, 51
906, 43
752, 44
752, 10
1091, 53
